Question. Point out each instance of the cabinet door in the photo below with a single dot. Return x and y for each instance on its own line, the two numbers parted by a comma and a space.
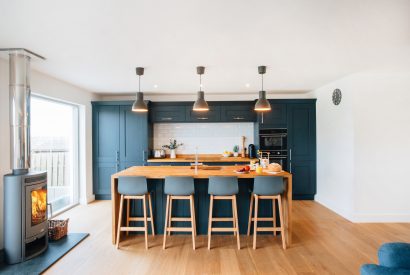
213, 115
106, 133
275, 118
167, 114
102, 177
238, 113
302, 131
304, 178
133, 136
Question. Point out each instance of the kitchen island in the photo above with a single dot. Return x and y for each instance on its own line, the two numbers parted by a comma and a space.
155, 176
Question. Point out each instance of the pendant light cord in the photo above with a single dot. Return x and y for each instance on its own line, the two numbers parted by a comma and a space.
262, 81
139, 83
200, 83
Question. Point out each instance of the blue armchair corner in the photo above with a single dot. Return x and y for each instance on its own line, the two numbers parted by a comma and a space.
394, 258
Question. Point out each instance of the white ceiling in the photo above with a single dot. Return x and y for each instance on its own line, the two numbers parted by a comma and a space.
97, 44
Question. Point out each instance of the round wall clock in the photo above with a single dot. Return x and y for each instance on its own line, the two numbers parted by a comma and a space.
337, 96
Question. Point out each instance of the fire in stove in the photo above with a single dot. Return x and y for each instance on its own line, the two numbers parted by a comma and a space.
38, 206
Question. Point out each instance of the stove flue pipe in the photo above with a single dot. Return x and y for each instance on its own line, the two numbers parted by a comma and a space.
19, 105
19, 96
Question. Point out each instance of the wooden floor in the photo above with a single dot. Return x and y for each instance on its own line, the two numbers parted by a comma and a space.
323, 243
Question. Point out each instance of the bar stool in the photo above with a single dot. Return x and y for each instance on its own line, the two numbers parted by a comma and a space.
134, 188
269, 188
223, 188
179, 188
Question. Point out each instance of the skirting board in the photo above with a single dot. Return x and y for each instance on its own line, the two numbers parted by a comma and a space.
365, 217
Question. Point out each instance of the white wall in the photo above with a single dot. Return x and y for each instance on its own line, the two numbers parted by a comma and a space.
209, 138
44, 85
363, 147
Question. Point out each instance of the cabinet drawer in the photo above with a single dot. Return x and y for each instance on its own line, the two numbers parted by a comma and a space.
213, 115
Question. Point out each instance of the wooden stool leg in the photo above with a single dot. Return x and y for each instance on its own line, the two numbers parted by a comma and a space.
235, 210
120, 221
151, 215
128, 215
166, 223
191, 204
274, 215
255, 222
193, 207
233, 216
211, 204
144, 202
170, 215
250, 215
282, 222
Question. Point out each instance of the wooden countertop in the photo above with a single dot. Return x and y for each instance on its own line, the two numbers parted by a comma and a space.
160, 172
201, 158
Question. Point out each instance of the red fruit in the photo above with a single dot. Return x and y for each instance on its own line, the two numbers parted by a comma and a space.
247, 168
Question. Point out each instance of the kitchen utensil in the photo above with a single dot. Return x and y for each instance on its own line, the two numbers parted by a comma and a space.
243, 146
251, 151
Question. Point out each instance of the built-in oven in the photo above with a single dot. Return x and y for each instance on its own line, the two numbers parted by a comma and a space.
273, 139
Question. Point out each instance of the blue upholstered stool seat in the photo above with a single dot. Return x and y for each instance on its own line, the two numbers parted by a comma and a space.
179, 186
132, 186
394, 258
268, 186
223, 186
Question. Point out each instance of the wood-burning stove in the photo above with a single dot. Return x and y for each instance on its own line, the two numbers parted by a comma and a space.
25, 193
25, 221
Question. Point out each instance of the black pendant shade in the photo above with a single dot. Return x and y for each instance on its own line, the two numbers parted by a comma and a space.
200, 104
139, 104
262, 104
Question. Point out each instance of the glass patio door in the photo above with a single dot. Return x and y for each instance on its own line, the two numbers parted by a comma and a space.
54, 148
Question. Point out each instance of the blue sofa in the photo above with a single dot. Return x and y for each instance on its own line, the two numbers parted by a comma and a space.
394, 258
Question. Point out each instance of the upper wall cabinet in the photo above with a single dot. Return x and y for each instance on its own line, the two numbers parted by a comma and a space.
277, 117
238, 112
219, 111
167, 112
213, 115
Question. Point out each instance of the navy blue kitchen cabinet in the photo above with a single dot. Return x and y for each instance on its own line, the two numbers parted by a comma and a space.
161, 112
276, 118
219, 111
120, 140
238, 112
301, 119
213, 115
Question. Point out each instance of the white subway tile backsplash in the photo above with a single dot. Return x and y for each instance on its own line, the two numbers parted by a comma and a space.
209, 138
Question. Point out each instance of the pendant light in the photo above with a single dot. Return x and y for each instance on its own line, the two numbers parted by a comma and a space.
262, 105
139, 104
200, 104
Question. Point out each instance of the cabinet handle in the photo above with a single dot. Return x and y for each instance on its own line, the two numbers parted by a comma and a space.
238, 118
117, 156
166, 118
290, 154
290, 167
202, 118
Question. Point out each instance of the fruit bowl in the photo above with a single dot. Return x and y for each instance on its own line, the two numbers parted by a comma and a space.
226, 154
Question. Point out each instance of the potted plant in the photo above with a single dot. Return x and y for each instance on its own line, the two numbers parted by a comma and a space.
235, 150
173, 145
